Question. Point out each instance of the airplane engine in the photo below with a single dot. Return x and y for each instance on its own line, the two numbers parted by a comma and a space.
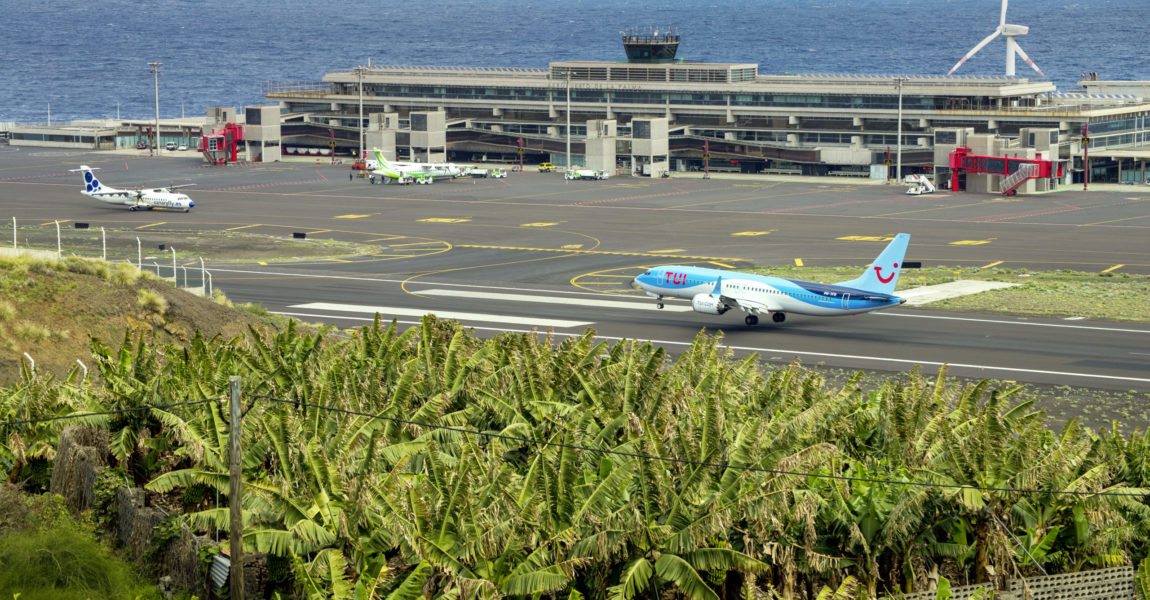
708, 304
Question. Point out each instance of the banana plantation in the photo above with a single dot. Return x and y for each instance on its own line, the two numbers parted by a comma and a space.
430, 463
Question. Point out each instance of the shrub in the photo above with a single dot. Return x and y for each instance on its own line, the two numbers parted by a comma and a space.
123, 274
32, 332
7, 311
152, 302
60, 563
87, 266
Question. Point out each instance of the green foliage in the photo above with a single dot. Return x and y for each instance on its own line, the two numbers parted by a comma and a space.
104, 496
63, 564
1142, 580
7, 311
162, 534
46, 553
605, 470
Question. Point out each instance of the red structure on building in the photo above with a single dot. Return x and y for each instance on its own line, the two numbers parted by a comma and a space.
1014, 170
221, 147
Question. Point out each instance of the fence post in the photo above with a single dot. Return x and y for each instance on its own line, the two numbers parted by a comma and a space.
235, 493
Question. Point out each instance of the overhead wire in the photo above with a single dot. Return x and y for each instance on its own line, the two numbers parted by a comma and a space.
668, 459
605, 451
110, 412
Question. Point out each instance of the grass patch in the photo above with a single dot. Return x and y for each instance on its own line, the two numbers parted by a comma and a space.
7, 311
152, 302
32, 332
1121, 297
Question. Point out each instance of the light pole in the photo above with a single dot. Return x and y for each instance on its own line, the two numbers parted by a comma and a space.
898, 157
359, 72
156, 78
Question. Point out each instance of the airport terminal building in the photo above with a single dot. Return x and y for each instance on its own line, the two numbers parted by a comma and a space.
652, 112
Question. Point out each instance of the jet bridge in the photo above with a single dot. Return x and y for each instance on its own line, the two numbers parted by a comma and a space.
1015, 171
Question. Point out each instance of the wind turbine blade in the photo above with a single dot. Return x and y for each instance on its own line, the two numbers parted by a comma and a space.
1018, 49
975, 50
1002, 18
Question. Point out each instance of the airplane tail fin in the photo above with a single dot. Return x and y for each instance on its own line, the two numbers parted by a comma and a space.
882, 275
91, 183
383, 162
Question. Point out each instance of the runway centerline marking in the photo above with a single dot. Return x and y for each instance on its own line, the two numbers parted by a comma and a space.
599, 295
457, 316
551, 300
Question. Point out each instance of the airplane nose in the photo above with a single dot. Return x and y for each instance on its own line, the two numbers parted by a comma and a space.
635, 284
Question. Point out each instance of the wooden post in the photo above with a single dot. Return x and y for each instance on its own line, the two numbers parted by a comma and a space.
236, 493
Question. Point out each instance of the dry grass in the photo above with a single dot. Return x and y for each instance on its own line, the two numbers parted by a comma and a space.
152, 302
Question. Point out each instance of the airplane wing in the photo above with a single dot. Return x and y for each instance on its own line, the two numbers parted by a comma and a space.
748, 305
744, 303
176, 187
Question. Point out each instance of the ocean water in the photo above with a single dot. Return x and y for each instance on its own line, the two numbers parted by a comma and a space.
88, 59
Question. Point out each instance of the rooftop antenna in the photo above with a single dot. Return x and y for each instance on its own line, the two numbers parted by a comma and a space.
1012, 48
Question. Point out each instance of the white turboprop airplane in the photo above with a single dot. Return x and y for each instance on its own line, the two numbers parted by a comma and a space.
135, 199
715, 291
419, 172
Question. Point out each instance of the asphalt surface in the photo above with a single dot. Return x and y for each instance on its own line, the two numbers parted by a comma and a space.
536, 252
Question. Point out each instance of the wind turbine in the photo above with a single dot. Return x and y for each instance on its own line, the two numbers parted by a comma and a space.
1012, 48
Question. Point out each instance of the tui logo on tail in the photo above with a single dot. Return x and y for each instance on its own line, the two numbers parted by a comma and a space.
888, 278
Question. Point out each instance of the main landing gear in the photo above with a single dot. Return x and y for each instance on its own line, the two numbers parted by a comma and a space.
777, 317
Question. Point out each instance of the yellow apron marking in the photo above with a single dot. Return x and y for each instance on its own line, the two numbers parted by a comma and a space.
724, 265
798, 262
671, 251
572, 246
152, 225
350, 216
604, 252
1112, 268
971, 242
865, 238
751, 233
410, 243
540, 224
442, 220
54, 222
993, 264
242, 227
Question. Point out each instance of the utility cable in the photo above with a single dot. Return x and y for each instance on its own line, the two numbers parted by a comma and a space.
921, 484
111, 412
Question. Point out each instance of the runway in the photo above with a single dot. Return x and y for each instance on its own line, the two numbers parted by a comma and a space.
536, 252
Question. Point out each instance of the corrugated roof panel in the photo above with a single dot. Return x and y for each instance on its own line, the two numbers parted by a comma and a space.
221, 565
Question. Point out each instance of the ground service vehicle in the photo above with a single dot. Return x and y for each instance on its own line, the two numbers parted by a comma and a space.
546, 167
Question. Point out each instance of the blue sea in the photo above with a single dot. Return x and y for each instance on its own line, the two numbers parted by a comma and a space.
88, 59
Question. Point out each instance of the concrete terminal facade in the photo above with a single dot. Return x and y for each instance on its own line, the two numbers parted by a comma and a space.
808, 124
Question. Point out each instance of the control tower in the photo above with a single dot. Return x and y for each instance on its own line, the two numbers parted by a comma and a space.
651, 46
